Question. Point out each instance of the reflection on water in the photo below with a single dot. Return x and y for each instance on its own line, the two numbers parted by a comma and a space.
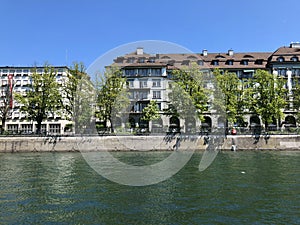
238, 188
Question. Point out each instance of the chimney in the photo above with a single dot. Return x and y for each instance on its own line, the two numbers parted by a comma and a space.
204, 52
140, 51
295, 45
230, 52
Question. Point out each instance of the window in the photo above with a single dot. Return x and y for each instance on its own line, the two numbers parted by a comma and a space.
200, 62
244, 62
26, 128
130, 60
143, 83
280, 59
130, 83
152, 60
156, 83
229, 62
294, 58
259, 62
12, 128
141, 60
129, 72
156, 95
215, 62
142, 72
156, 72
54, 128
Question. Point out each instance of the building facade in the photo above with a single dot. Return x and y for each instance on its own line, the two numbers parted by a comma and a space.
149, 75
18, 80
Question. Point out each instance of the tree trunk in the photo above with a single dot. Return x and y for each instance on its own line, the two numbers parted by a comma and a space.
3, 124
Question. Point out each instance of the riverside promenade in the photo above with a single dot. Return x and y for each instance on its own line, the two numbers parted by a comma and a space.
144, 143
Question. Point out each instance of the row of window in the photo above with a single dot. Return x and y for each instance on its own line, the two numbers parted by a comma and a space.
281, 59
28, 128
242, 62
143, 72
142, 95
20, 71
144, 83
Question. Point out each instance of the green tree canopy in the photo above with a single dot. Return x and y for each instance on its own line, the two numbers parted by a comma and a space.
267, 96
151, 111
43, 96
188, 95
112, 95
229, 85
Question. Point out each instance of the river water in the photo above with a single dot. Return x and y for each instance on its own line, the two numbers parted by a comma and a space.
238, 188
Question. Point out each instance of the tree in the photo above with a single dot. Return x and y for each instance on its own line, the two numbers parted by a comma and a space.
266, 96
42, 98
188, 93
296, 100
112, 95
229, 85
6, 100
70, 86
151, 112
79, 94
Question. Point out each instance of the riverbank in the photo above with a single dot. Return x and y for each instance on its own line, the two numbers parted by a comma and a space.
144, 143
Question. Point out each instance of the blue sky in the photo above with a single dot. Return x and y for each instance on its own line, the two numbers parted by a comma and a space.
63, 31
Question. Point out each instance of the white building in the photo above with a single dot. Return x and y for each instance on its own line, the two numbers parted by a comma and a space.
17, 79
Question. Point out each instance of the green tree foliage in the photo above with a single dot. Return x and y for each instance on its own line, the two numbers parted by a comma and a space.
188, 95
43, 97
296, 100
151, 112
70, 86
5, 107
79, 94
112, 95
267, 96
229, 85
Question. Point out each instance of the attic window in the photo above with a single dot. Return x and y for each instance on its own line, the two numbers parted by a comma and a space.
165, 57
130, 60
192, 57
185, 62
244, 62
294, 58
152, 60
141, 60
200, 62
280, 59
259, 62
219, 56
229, 62
248, 56
215, 62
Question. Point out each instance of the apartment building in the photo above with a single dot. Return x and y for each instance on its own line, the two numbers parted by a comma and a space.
148, 76
18, 80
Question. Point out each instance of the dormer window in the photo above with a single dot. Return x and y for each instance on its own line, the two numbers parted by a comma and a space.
215, 62
259, 62
130, 60
152, 60
294, 59
280, 59
200, 62
229, 62
141, 60
244, 62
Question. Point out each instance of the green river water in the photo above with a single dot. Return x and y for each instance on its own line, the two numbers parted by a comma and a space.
238, 188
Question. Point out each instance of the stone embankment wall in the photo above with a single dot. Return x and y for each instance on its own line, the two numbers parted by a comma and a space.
143, 143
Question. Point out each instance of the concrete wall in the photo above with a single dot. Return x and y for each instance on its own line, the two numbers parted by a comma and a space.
142, 143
